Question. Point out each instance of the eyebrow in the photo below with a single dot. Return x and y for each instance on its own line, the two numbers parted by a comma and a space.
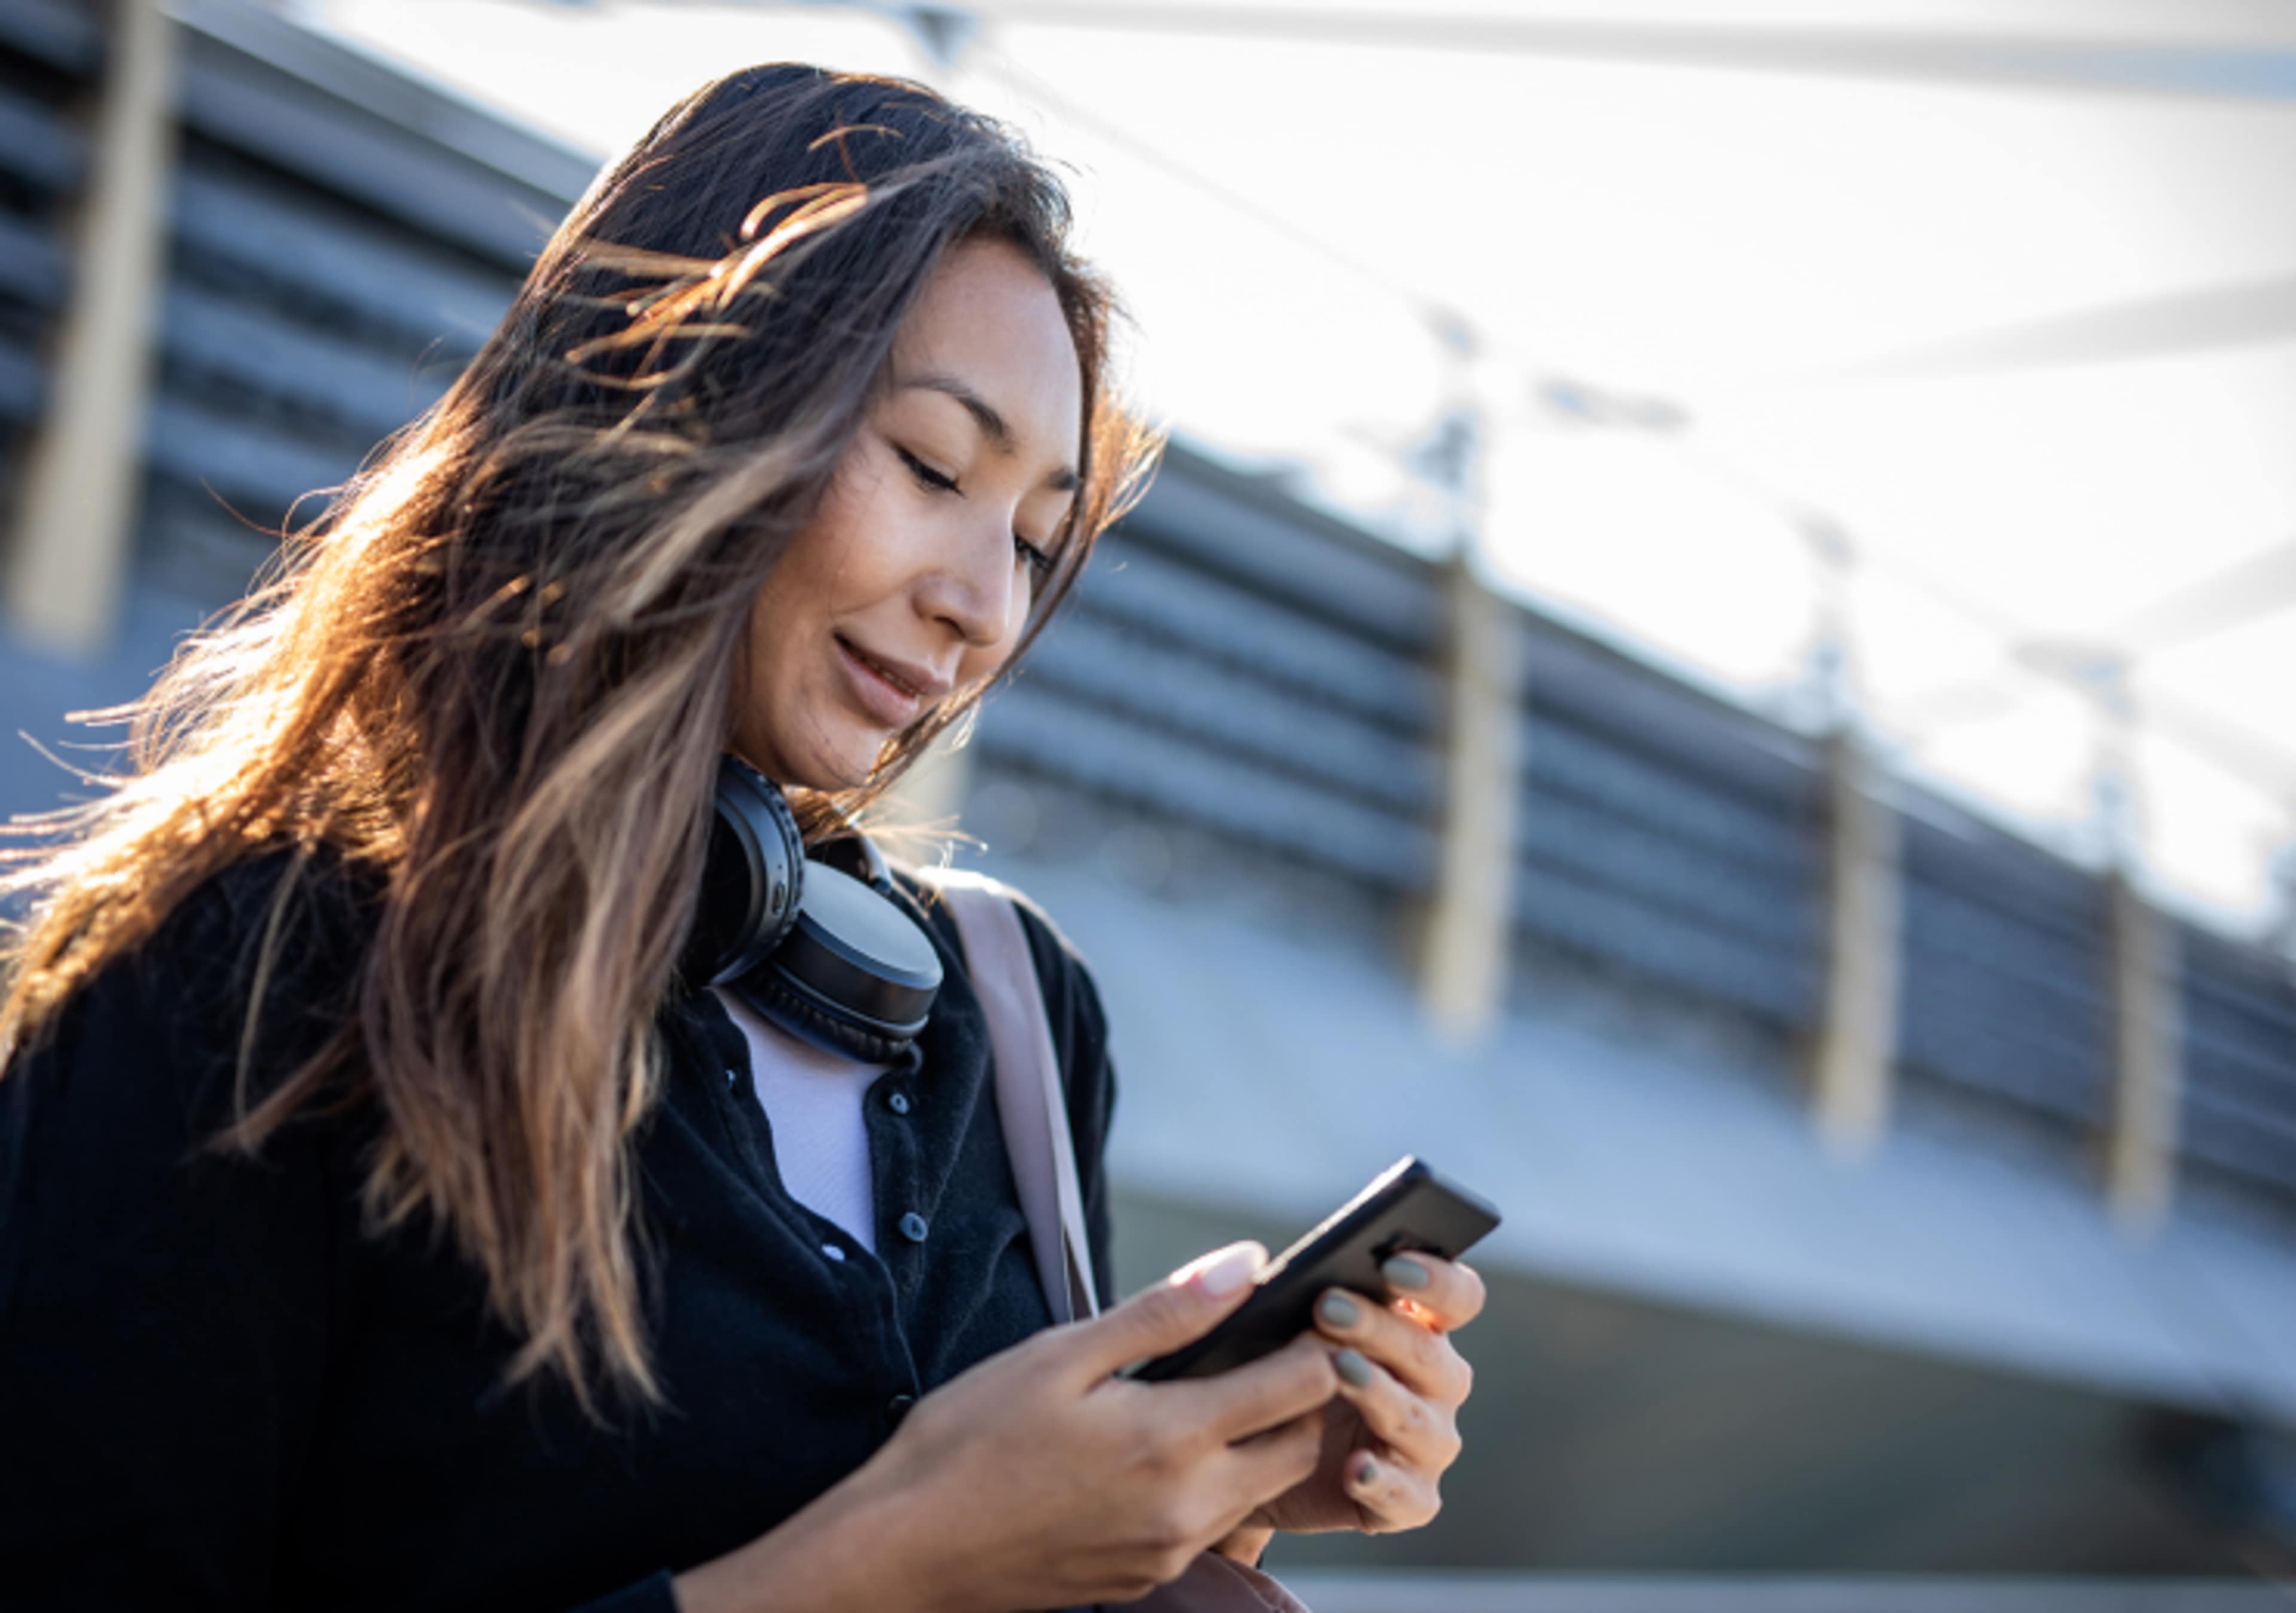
993, 424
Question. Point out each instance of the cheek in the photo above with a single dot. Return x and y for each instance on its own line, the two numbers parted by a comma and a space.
775, 621
829, 568
865, 512
754, 677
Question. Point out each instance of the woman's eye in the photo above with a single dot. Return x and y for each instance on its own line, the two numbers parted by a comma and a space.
925, 474
1040, 561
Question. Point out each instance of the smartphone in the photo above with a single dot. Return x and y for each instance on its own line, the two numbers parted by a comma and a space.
1406, 1207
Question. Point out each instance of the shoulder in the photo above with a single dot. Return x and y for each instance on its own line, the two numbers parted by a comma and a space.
108, 1119
284, 931
281, 932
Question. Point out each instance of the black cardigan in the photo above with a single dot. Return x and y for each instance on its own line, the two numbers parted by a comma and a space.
215, 1392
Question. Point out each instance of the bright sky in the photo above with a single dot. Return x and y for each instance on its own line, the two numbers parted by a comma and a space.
1820, 271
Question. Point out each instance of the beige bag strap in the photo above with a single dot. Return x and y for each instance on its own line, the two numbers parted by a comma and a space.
1031, 1099
1033, 1106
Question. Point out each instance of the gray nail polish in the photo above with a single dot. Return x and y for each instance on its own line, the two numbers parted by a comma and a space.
1404, 1273
1353, 1367
1339, 1310
1366, 1471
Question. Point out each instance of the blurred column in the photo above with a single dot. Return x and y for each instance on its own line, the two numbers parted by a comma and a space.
1853, 1058
68, 556
2147, 981
1466, 945
1471, 917
1853, 1063
2143, 972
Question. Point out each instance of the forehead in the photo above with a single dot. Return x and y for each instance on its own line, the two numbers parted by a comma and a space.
989, 319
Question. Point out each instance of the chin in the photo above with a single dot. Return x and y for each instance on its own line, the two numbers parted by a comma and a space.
844, 770
808, 773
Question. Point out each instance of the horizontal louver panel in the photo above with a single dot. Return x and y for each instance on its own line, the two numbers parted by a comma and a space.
307, 318
1567, 763
38, 145
1561, 907
23, 385
2003, 987
2240, 1060
389, 285
62, 33
259, 470
47, 46
1088, 746
1134, 584
1773, 772
1216, 521
34, 268
1170, 687
254, 107
1675, 880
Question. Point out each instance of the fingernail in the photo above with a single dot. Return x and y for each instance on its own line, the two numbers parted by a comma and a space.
1339, 1310
1367, 1470
1404, 1273
1353, 1367
1223, 1271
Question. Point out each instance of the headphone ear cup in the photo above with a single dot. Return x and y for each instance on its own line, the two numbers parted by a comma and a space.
752, 877
810, 1022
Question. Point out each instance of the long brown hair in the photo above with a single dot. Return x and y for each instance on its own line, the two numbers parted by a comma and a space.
496, 674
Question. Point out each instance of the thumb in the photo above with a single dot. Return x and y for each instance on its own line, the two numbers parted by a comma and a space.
1183, 1308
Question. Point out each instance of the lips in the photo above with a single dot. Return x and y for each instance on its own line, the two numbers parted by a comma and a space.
892, 691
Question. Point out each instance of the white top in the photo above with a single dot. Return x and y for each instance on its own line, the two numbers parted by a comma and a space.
813, 1100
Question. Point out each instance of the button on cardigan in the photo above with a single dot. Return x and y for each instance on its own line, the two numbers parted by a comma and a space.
217, 1391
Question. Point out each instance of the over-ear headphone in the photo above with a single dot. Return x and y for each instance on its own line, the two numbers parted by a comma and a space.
832, 959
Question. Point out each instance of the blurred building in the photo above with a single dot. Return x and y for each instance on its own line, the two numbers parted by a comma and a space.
1882, 1192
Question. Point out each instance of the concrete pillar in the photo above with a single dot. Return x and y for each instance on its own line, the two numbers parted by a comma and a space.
2144, 970
1469, 920
1853, 1060
68, 558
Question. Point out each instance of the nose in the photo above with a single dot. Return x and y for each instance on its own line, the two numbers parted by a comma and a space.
974, 587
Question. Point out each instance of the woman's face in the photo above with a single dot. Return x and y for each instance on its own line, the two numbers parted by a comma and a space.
914, 579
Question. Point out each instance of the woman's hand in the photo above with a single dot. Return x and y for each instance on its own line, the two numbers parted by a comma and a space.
1039, 1480
1395, 1429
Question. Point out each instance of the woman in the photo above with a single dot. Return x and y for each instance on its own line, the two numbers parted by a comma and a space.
390, 1220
